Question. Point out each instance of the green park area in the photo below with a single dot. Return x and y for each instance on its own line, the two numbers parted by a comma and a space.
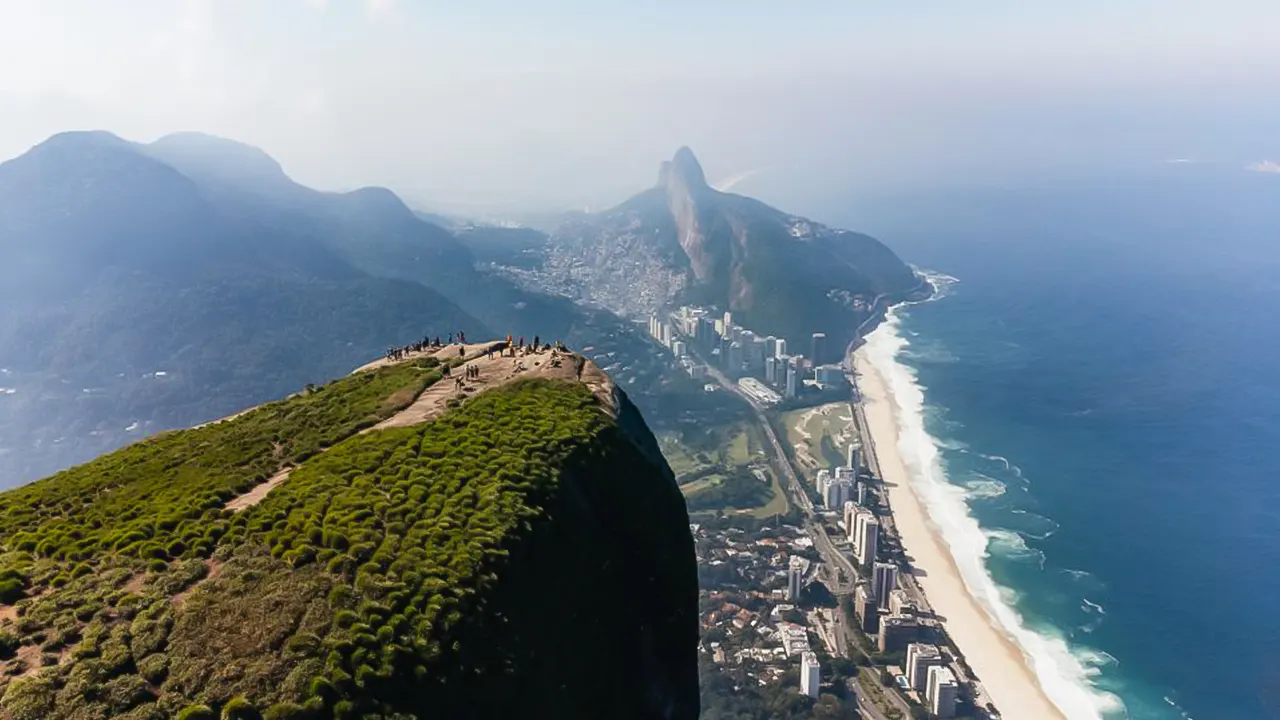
724, 468
818, 436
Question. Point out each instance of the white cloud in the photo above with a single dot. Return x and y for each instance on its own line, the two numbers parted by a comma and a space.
379, 6
1265, 166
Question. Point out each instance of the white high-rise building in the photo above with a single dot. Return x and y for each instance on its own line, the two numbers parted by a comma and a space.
900, 603
824, 479
781, 349
771, 346
793, 380
850, 514
921, 657
666, 334
728, 321
678, 347
941, 692
795, 575
839, 490
862, 494
884, 579
810, 674
867, 532
854, 457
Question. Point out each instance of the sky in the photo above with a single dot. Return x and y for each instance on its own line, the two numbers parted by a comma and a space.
567, 103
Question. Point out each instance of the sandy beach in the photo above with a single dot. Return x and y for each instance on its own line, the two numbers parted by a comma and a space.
999, 665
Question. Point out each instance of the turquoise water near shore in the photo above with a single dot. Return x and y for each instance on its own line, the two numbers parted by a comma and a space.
1101, 374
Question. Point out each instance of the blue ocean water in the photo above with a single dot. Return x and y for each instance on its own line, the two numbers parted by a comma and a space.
1103, 379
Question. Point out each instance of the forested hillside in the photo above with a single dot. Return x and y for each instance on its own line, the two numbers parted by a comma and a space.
525, 553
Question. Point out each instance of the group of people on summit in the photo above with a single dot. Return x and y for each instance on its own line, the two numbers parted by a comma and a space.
427, 343
516, 346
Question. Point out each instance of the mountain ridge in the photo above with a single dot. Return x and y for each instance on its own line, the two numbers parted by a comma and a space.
682, 241
117, 265
317, 598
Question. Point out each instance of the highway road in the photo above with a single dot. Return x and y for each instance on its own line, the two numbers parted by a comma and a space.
782, 465
813, 525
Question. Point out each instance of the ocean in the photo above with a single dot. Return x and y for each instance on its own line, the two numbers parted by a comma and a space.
1100, 376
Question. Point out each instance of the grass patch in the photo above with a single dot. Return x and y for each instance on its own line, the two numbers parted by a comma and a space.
777, 505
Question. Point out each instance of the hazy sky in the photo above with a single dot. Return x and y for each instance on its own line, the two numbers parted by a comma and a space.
572, 102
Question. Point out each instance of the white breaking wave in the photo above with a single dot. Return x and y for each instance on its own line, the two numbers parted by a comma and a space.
1011, 545
1063, 675
1045, 529
1097, 612
984, 488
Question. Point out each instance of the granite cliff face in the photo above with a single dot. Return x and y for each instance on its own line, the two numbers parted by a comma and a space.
382, 546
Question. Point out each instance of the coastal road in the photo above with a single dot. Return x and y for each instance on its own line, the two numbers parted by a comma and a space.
821, 540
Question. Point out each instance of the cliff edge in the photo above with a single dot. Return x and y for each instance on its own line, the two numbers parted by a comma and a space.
514, 546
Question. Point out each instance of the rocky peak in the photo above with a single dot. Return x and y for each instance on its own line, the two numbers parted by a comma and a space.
683, 169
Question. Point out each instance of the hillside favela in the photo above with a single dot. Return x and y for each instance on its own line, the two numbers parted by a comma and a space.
382, 360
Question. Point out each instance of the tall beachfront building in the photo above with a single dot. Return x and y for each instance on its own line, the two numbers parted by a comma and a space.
884, 578
921, 657
810, 674
854, 457
781, 348
819, 352
795, 575
837, 491
864, 606
867, 533
941, 692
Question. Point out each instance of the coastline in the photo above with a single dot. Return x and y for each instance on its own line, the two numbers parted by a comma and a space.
1000, 665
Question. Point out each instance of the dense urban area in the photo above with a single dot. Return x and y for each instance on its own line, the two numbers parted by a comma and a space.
808, 605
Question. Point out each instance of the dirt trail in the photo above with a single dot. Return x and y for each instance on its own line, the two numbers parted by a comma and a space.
496, 369
257, 492
446, 352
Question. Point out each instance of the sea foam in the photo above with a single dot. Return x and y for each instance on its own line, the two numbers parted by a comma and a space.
1061, 672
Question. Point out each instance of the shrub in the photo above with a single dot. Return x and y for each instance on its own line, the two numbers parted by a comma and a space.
125, 692
11, 590
154, 668
239, 708
197, 712
9, 643
32, 698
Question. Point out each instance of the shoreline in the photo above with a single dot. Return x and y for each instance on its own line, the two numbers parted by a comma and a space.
999, 664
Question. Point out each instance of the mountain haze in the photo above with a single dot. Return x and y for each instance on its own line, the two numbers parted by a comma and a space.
684, 241
151, 286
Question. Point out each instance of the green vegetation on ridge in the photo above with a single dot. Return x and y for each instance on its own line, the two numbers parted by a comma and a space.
379, 581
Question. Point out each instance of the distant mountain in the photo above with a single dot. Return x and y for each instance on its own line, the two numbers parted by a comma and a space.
683, 241
370, 228
141, 290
